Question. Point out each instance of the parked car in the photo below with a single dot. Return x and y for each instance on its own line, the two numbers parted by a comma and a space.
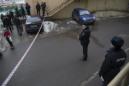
83, 16
33, 24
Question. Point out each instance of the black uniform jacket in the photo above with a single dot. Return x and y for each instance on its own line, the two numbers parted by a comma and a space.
85, 36
114, 60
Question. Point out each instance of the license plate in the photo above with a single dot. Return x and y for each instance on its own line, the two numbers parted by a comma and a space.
33, 26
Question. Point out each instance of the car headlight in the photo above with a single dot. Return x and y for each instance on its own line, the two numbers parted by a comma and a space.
84, 18
28, 22
94, 17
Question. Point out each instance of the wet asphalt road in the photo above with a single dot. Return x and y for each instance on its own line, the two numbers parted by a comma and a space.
56, 60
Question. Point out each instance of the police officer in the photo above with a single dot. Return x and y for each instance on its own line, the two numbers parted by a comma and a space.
38, 8
43, 6
114, 60
28, 8
84, 38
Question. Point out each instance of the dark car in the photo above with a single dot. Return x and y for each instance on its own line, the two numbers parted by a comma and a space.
33, 24
83, 16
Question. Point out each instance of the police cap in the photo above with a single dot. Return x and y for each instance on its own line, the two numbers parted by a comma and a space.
117, 41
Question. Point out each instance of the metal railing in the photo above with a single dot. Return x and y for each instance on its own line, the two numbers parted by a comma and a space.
122, 78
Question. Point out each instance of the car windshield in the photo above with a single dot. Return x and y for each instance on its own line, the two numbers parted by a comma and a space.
84, 12
33, 19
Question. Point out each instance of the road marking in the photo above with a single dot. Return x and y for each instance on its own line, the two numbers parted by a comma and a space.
6, 81
127, 49
89, 79
95, 74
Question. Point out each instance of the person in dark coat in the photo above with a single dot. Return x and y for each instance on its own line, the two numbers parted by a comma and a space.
23, 13
11, 15
84, 38
18, 25
10, 22
28, 8
114, 60
7, 23
17, 12
2, 19
43, 6
38, 8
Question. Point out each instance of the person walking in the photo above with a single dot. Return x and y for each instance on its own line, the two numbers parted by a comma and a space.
28, 8
38, 8
23, 13
7, 23
10, 22
18, 25
2, 18
17, 11
7, 35
43, 6
84, 38
11, 15
114, 60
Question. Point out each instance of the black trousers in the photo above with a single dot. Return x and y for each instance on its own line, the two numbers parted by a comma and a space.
103, 84
38, 12
19, 29
9, 41
10, 28
85, 51
1, 54
43, 12
28, 12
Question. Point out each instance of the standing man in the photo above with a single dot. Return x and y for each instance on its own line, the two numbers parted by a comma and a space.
43, 6
84, 38
38, 8
28, 8
114, 60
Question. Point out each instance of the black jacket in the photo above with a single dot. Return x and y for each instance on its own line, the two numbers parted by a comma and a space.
114, 60
37, 6
85, 36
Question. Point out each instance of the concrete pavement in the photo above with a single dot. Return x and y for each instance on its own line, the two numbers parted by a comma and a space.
55, 60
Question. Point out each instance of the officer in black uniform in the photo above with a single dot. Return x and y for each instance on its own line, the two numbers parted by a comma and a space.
114, 60
84, 38
28, 9
43, 7
38, 8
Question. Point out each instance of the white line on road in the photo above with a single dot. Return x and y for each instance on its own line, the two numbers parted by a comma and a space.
21, 60
89, 79
94, 75
126, 50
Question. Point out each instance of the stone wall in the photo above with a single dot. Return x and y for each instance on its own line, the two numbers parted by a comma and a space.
101, 8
